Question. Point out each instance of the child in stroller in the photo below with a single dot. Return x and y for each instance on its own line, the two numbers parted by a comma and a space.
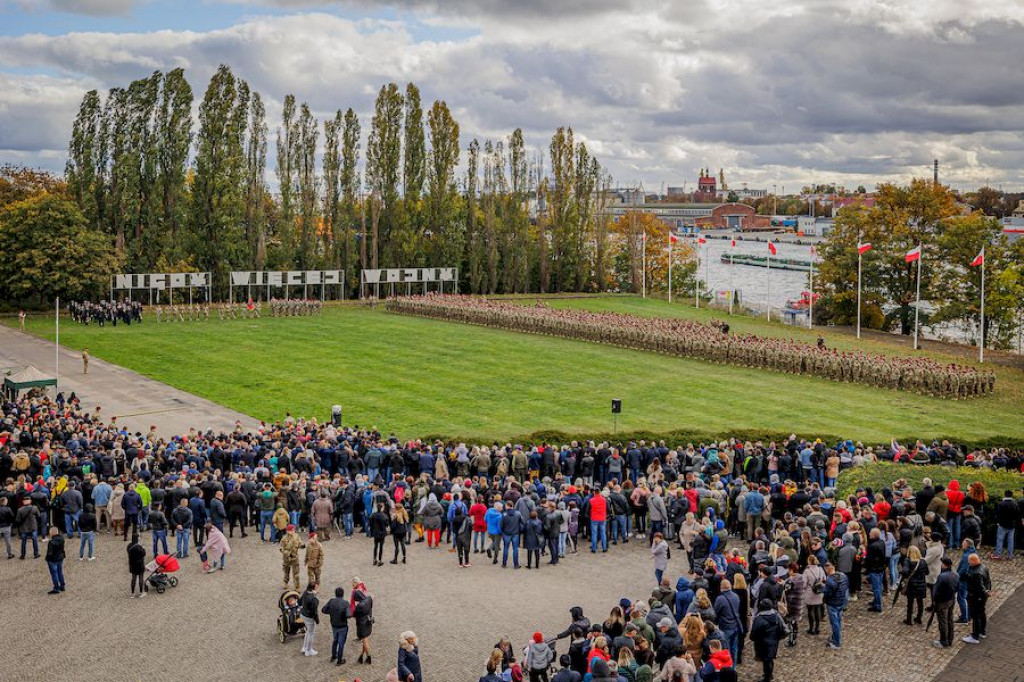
159, 568
289, 623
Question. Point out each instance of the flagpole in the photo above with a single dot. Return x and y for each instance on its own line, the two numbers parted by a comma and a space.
981, 332
643, 244
860, 259
810, 312
769, 299
707, 274
732, 277
670, 266
917, 306
696, 278
56, 320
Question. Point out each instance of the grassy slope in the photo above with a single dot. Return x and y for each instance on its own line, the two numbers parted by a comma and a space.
417, 377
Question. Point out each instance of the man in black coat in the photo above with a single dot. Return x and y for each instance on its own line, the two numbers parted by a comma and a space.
338, 610
875, 564
55, 560
943, 598
979, 585
766, 632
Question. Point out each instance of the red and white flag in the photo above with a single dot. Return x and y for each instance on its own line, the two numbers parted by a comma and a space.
250, 305
914, 254
771, 249
979, 259
863, 248
672, 239
701, 240
733, 244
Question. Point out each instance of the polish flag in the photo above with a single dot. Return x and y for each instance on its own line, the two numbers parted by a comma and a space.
914, 254
771, 249
733, 244
701, 240
672, 239
979, 259
863, 248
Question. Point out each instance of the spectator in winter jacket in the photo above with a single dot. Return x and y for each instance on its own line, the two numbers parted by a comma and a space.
684, 595
944, 593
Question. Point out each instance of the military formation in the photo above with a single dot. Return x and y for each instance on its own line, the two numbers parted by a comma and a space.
104, 312
710, 342
295, 307
249, 310
184, 312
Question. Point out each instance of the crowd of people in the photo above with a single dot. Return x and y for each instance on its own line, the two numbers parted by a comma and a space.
709, 341
104, 312
764, 539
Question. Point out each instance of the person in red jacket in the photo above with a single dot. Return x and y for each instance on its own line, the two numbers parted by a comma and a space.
956, 499
599, 521
478, 511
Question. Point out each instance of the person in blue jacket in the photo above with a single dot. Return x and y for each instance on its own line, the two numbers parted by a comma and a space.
684, 595
493, 520
511, 528
409, 668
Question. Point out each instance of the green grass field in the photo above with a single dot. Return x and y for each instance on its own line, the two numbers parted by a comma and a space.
418, 377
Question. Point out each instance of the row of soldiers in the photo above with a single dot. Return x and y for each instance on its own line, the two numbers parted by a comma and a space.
102, 312
247, 311
295, 307
185, 312
712, 342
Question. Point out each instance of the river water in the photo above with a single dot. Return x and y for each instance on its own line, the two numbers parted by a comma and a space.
751, 282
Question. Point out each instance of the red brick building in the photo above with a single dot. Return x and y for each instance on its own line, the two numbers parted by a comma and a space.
734, 217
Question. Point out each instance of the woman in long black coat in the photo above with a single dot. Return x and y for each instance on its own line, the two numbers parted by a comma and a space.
766, 632
137, 565
363, 613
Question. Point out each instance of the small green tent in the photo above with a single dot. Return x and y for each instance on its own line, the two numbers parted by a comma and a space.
30, 377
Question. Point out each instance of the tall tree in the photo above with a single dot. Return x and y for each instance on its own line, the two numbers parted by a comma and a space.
255, 185
174, 130
475, 257
350, 187
286, 141
383, 167
217, 213
305, 167
561, 210
442, 192
83, 181
332, 212
414, 165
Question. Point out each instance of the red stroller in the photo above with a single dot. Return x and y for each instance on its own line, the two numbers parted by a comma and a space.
159, 568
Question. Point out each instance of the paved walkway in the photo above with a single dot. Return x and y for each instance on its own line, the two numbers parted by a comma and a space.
1000, 655
137, 401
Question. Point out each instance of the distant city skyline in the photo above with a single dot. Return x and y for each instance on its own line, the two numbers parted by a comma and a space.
788, 94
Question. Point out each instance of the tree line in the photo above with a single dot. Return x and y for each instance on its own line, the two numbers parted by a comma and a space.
176, 194
951, 235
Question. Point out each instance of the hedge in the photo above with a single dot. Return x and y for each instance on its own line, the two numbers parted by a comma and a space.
883, 474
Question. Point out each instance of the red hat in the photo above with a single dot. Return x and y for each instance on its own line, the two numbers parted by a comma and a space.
290, 528
312, 533
538, 638
572, 490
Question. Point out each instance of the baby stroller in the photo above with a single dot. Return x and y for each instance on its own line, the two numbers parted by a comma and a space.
159, 568
289, 623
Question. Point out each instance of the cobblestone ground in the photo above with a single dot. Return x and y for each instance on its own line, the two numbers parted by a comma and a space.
222, 626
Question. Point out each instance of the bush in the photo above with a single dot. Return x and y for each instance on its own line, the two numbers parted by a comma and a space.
883, 474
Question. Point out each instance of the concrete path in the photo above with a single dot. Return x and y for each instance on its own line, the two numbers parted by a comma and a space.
137, 401
1000, 656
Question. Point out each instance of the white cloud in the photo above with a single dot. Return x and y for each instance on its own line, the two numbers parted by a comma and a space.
861, 91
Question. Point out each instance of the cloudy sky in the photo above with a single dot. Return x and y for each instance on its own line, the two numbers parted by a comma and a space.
854, 91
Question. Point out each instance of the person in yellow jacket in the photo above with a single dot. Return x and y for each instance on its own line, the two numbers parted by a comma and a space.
280, 521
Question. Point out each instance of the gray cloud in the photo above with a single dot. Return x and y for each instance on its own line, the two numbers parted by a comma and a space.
783, 95
94, 8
